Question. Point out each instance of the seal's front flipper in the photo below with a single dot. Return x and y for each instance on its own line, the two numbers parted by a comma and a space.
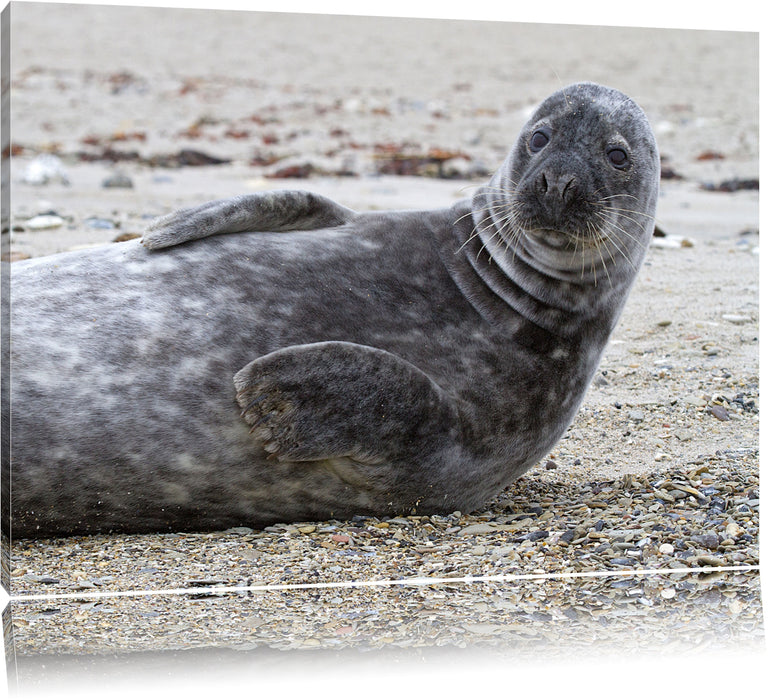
334, 399
280, 210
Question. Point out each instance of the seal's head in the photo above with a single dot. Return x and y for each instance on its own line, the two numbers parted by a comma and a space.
578, 191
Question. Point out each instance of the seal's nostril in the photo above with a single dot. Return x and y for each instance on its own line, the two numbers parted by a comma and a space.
556, 188
569, 188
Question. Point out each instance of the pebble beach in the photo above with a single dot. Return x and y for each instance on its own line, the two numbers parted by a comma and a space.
638, 534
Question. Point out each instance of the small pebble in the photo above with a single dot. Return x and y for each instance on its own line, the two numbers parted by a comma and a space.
478, 529
44, 169
94, 222
683, 435
734, 530
719, 412
709, 540
736, 319
44, 221
126, 237
240, 531
118, 180
706, 560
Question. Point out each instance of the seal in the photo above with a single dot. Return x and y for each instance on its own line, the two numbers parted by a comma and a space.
303, 361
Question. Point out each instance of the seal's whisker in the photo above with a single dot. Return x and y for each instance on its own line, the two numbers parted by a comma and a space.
582, 268
618, 227
602, 243
479, 230
468, 240
510, 224
611, 221
508, 210
607, 233
503, 204
494, 221
625, 215
475, 231
514, 232
611, 197
616, 242
577, 240
623, 253
622, 103
609, 207
635, 212
473, 185
461, 218
606, 203
496, 225
594, 245
495, 189
563, 90
616, 194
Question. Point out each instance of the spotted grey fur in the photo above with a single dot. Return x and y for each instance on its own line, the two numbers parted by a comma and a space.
314, 362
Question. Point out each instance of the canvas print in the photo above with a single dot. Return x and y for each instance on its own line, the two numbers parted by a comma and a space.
328, 334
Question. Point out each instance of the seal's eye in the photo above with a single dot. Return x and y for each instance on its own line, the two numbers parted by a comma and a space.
539, 140
617, 157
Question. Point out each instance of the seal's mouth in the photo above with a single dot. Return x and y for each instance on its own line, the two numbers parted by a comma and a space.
555, 238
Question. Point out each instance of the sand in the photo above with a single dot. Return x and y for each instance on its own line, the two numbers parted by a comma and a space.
327, 94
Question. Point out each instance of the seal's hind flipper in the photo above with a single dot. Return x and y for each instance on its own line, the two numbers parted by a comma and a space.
333, 400
279, 210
